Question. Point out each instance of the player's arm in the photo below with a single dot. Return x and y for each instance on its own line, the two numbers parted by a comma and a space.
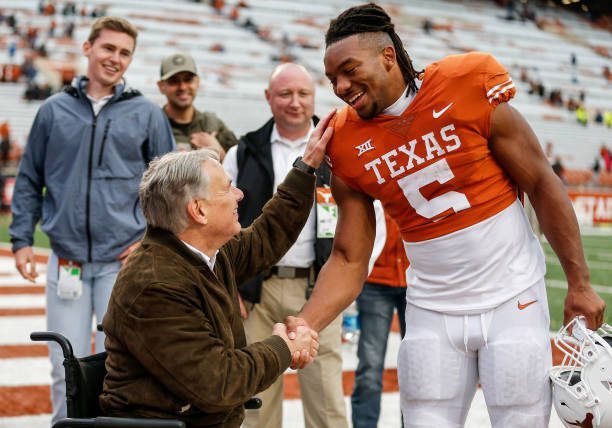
518, 151
341, 278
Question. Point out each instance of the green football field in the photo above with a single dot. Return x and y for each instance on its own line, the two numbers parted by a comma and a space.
598, 252
40, 239
597, 249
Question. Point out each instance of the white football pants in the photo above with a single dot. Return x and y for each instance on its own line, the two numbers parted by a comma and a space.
443, 357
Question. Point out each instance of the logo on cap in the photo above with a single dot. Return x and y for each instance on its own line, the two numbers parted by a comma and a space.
177, 63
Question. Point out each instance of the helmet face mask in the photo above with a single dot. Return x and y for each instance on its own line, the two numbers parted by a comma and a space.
582, 384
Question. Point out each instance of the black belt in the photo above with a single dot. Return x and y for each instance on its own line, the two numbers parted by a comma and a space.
290, 272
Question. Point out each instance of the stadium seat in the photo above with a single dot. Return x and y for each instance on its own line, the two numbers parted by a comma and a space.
577, 177
605, 179
84, 380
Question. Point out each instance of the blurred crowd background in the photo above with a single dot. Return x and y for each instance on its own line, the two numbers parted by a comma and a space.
559, 54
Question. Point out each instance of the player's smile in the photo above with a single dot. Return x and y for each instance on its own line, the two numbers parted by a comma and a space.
353, 100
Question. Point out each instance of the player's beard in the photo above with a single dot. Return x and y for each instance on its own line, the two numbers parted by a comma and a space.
371, 112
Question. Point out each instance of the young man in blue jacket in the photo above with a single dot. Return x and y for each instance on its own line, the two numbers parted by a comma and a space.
85, 155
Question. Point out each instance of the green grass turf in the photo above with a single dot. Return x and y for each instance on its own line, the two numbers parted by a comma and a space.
40, 239
598, 252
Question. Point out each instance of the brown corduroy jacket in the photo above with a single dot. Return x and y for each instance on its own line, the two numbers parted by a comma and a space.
175, 340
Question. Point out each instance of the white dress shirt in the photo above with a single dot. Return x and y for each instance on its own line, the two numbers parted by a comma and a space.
284, 152
210, 261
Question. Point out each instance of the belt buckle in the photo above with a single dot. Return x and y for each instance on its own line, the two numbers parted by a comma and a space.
285, 272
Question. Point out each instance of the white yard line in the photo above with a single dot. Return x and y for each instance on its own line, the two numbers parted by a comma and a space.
34, 421
592, 264
16, 330
607, 255
21, 301
16, 279
25, 371
555, 283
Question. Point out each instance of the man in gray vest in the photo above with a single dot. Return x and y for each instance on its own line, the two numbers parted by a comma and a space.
257, 165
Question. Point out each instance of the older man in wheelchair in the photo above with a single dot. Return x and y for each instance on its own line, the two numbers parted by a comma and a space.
176, 352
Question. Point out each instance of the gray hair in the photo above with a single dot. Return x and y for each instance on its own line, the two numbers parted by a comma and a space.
170, 182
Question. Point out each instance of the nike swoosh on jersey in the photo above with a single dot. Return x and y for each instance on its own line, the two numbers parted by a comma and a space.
437, 114
523, 306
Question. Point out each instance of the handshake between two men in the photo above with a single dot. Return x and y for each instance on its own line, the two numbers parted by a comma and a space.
303, 343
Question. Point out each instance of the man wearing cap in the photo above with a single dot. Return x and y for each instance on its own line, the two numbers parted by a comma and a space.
192, 129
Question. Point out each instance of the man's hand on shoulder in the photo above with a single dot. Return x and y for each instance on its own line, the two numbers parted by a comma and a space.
125, 253
317, 143
26, 264
201, 140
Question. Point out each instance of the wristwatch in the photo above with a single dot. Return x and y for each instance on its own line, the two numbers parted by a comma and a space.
303, 166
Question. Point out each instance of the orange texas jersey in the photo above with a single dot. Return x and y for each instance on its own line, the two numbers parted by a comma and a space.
431, 167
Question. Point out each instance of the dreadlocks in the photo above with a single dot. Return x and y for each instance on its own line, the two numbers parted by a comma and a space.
371, 18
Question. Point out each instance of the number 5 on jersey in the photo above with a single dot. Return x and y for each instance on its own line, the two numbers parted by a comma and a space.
429, 208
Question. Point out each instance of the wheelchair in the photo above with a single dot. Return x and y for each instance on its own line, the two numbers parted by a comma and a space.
84, 381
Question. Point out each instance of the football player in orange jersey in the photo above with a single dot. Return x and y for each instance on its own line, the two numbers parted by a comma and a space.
449, 159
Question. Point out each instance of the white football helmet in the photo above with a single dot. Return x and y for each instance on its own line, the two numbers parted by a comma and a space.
582, 384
